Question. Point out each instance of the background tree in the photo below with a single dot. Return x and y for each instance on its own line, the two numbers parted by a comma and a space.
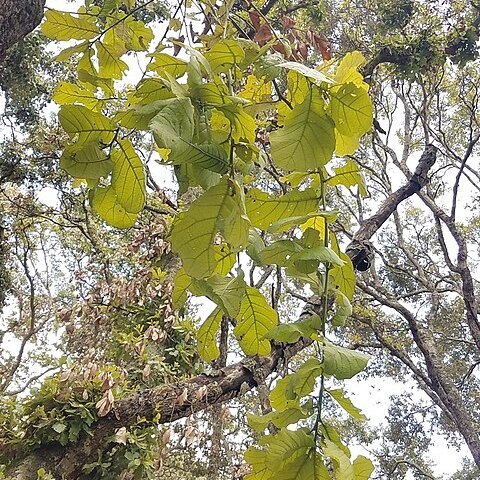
112, 296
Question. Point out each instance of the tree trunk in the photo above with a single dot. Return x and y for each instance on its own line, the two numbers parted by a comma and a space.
17, 19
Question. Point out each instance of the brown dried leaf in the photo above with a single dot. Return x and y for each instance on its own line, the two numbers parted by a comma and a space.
167, 434
201, 392
263, 35
146, 372
182, 398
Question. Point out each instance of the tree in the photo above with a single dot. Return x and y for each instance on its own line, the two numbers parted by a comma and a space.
254, 176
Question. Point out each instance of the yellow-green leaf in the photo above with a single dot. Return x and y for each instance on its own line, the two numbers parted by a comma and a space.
342, 362
69, 93
105, 203
193, 233
346, 404
349, 175
128, 177
207, 336
86, 161
88, 125
351, 110
181, 284
224, 55
343, 277
363, 468
255, 319
264, 209
307, 140
65, 26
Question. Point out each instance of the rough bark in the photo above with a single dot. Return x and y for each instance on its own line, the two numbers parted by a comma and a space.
17, 19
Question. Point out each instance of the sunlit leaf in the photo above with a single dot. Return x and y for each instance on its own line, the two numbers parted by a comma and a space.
224, 55
106, 204
341, 362
128, 177
255, 319
348, 176
207, 336
346, 404
86, 161
65, 26
264, 209
307, 140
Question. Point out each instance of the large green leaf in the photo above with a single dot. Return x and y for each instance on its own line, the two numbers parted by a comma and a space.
343, 277
304, 467
109, 63
315, 75
291, 332
207, 336
88, 125
181, 285
287, 445
307, 140
363, 468
341, 463
86, 161
105, 203
162, 62
128, 177
65, 26
351, 110
255, 319
279, 252
339, 395
224, 55
294, 386
258, 460
264, 209
69, 93
226, 292
341, 362
348, 176
173, 128
281, 419
193, 233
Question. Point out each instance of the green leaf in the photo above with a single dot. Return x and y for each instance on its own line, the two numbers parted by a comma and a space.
86, 161
308, 260
303, 220
279, 252
255, 319
341, 362
315, 75
193, 233
207, 336
181, 284
128, 177
348, 176
109, 63
69, 93
347, 71
136, 35
281, 419
150, 90
243, 124
225, 259
104, 201
346, 404
296, 385
264, 209
173, 128
291, 332
226, 292
286, 446
258, 460
224, 55
66, 53
343, 309
307, 140
64, 26
59, 427
363, 468
304, 467
341, 463
343, 277
163, 62
88, 125
351, 110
